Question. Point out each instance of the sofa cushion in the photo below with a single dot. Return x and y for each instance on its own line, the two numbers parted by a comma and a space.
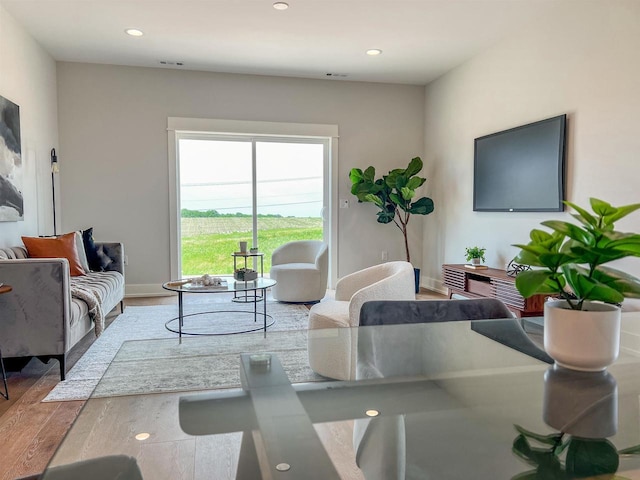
82, 254
95, 263
109, 287
63, 246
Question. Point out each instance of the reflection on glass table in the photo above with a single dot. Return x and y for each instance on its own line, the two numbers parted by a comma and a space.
440, 400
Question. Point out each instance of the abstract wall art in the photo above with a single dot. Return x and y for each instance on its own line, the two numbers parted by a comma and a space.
11, 200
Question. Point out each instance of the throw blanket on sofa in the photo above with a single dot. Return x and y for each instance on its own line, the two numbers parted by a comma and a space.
92, 298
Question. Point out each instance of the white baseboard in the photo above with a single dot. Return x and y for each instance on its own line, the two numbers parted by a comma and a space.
146, 290
434, 284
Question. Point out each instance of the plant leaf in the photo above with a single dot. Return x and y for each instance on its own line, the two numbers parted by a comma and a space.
415, 182
356, 175
627, 285
391, 179
401, 182
369, 174
571, 231
531, 282
415, 165
586, 288
624, 242
635, 450
539, 236
590, 458
370, 197
407, 193
527, 258
602, 208
583, 216
553, 261
622, 212
397, 199
386, 214
423, 206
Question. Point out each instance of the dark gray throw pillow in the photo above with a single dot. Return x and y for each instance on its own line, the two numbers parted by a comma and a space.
97, 263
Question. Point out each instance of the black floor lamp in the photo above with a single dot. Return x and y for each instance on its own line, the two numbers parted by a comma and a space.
54, 170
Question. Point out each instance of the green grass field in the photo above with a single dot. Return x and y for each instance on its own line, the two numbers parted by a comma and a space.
207, 243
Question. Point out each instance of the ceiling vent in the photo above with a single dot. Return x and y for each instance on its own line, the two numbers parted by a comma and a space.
171, 64
336, 75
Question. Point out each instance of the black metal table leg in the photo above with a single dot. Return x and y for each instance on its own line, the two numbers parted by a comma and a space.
4, 378
180, 314
264, 296
255, 305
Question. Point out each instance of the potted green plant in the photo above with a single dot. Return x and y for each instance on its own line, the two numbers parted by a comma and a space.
582, 328
395, 196
475, 255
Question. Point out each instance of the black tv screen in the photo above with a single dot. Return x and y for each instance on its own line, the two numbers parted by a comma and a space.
521, 169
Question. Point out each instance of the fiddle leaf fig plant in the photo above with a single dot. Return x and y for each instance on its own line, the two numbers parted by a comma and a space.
394, 194
571, 257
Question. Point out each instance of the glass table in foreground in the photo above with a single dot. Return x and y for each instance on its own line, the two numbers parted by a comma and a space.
442, 400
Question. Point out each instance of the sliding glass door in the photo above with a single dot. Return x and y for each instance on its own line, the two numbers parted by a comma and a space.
263, 190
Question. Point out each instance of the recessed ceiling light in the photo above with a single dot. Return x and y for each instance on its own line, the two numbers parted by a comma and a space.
280, 5
143, 436
134, 32
372, 413
374, 51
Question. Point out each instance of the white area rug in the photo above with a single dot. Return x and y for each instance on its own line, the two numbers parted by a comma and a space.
196, 363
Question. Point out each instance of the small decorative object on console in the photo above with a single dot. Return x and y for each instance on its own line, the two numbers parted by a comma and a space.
475, 255
514, 268
245, 274
253, 250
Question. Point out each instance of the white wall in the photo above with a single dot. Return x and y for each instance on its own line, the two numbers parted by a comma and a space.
586, 64
28, 79
113, 150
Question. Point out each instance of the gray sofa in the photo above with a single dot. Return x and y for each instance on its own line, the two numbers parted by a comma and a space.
39, 317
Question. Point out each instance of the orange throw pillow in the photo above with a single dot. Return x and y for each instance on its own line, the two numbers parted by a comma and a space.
63, 246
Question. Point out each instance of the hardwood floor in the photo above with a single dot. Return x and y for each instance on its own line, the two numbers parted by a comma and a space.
31, 430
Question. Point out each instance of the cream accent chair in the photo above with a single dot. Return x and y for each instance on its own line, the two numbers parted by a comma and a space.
332, 353
301, 269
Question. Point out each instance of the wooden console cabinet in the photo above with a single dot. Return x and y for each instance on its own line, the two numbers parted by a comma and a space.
491, 283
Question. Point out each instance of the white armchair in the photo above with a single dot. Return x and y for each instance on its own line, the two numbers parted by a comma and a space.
301, 269
332, 353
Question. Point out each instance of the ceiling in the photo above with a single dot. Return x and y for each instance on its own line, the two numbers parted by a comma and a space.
420, 39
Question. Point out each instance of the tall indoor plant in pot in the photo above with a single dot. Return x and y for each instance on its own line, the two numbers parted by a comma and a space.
394, 195
582, 327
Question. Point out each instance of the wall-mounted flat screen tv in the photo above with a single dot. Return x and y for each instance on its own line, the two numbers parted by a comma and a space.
521, 169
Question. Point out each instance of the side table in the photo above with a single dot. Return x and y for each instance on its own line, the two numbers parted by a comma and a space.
4, 289
248, 298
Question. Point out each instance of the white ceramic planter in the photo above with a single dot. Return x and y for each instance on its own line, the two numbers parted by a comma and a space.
587, 340
475, 261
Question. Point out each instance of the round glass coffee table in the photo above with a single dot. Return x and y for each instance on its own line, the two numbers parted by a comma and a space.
258, 287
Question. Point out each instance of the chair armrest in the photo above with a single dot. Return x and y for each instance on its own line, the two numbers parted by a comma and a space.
279, 255
36, 313
348, 285
322, 258
381, 289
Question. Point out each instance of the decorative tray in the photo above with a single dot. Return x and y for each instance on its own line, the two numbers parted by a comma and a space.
193, 286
